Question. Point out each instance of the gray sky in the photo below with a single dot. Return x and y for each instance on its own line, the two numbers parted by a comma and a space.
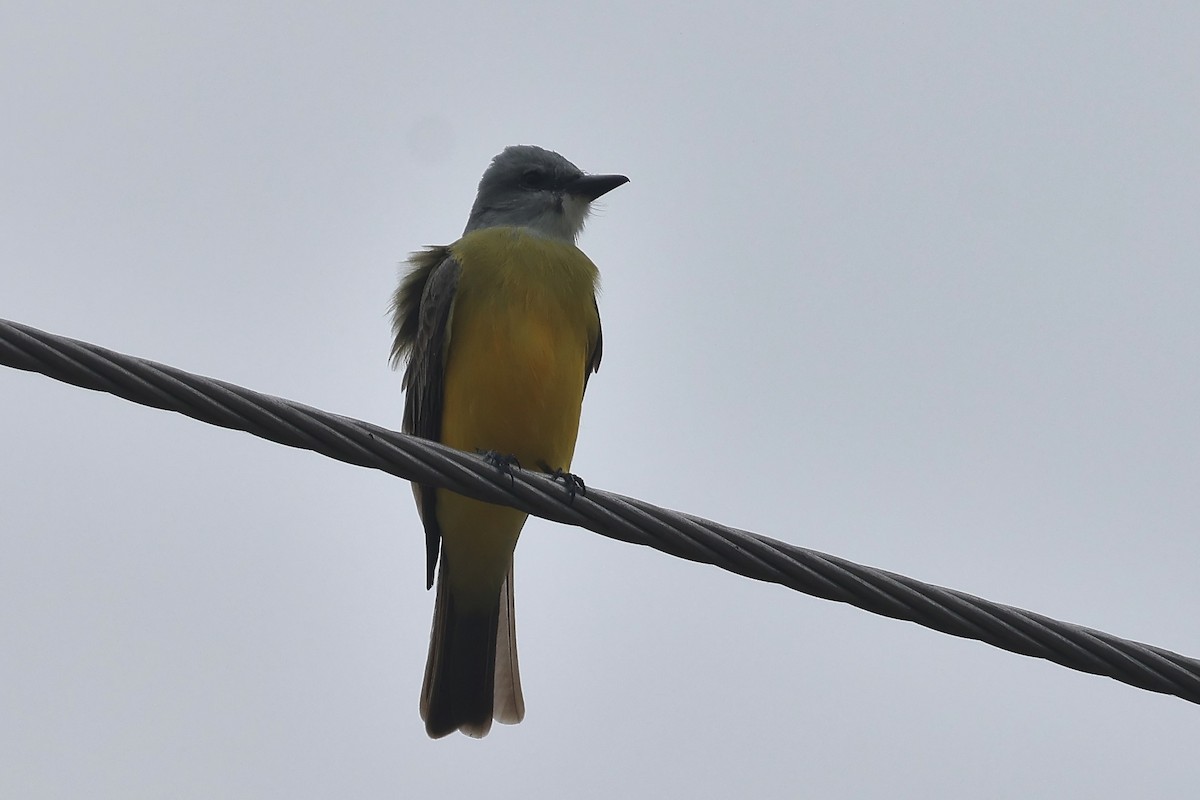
915, 284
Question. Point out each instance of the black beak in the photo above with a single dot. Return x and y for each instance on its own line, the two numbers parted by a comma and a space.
593, 186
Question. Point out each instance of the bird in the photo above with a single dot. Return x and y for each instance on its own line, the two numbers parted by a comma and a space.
499, 333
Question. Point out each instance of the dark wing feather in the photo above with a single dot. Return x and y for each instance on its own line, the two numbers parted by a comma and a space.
421, 312
593, 362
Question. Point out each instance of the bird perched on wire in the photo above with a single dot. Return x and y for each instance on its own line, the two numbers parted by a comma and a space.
500, 331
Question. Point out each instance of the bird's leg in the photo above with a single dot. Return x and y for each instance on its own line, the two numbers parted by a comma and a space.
571, 481
504, 462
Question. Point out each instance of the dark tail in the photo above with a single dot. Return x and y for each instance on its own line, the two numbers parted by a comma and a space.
463, 689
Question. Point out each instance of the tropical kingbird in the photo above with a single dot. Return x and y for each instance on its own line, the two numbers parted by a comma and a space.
500, 331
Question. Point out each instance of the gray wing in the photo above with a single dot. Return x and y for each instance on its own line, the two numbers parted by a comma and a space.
593, 364
421, 311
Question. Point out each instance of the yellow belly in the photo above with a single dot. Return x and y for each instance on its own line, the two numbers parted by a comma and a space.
523, 327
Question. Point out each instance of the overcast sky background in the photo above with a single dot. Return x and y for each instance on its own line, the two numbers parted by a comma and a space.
915, 284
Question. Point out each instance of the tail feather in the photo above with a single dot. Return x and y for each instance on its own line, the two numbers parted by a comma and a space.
471, 674
510, 702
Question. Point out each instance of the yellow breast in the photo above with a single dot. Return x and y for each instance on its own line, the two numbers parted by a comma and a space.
523, 327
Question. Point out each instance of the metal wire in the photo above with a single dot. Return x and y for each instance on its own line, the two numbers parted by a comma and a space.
622, 518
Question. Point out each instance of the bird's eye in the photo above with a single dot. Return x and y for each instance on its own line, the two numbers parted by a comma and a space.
535, 179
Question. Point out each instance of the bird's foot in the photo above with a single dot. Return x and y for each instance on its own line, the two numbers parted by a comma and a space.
504, 462
573, 483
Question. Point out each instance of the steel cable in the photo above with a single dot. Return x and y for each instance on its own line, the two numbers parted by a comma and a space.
622, 518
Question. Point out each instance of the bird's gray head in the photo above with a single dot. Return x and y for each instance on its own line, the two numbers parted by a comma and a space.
530, 187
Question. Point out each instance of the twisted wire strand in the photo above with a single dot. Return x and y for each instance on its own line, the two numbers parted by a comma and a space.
622, 518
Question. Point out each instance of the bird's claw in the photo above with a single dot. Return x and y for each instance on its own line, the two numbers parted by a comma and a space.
504, 462
573, 483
